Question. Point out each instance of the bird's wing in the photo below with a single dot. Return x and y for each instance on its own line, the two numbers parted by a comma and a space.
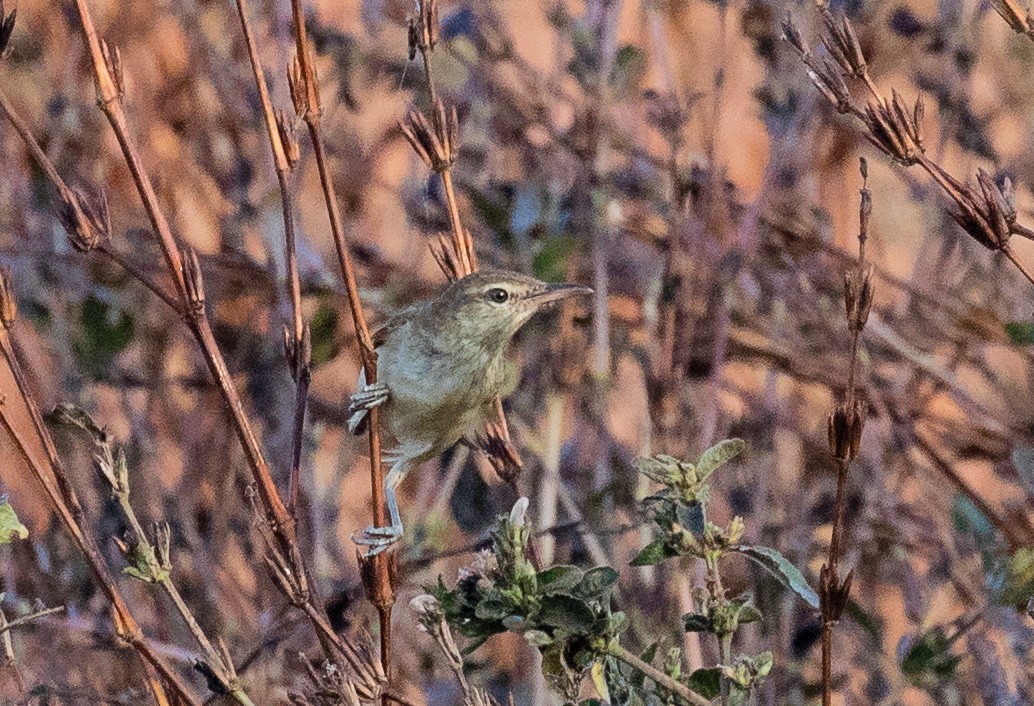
357, 422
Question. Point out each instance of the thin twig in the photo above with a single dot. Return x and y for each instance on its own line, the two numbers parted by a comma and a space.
306, 93
65, 502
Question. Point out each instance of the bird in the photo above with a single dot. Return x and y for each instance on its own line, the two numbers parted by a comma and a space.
440, 365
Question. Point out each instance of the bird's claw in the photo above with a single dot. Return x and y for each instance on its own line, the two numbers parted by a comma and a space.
368, 397
377, 539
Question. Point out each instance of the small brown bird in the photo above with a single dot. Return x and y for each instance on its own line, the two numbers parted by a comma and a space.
440, 365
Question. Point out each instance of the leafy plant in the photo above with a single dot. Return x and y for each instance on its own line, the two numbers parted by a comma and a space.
567, 612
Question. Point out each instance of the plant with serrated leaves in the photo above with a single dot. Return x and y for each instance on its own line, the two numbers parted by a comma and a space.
568, 613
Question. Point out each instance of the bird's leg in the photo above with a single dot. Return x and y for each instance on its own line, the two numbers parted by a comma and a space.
377, 539
365, 398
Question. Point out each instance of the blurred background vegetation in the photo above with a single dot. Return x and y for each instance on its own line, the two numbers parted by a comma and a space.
672, 154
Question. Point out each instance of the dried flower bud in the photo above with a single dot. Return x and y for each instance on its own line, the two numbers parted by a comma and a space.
305, 90
833, 595
434, 141
85, 220
298, 353
845, 430
989, 215
8, 305
445, 255
191, 267
793, 36
893, 131
831, 84
858, 294
296, 82
842, 44
6, 29
413, 36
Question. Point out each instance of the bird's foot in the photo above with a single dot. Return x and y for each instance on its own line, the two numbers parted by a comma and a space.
377, 539
368, 397
365, 399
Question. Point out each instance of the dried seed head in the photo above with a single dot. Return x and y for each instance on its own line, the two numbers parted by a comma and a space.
831, 84
445, 255
893, 130
296, 82
434, 141
195, 284
846, 424
298, 353
794, 37
8, 304
833, 595
291, 149
413, 35
858, 293
113, 60
501, 454
6, 29
987, 214
85, 219
842, 44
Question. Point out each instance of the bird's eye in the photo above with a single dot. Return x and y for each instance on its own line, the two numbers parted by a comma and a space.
498, 295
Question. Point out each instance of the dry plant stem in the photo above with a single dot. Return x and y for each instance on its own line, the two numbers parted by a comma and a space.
6, 625
44, 163
659, 677
284, 544
384, 592
64, 501
218, 660
844, 461
198, 321
299, 365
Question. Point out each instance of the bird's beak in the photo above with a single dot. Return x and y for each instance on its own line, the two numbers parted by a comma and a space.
556, 292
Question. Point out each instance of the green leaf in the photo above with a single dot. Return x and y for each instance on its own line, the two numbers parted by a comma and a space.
559, 579
696, 622
706, 682
778, 565
493, 609
1020, 333
323, 330
566, 613
597, 582
928, 662
1018, 582
537, 638
653, 553
629, 69
104, 333
718, 455
549, 263
10, 527
749, 614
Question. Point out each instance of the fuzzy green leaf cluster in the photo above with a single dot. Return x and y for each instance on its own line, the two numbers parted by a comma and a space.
563, 610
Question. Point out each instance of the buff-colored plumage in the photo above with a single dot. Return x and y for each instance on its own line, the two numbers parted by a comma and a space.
440, 364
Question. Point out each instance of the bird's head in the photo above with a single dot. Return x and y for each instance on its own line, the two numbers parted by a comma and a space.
490, 306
